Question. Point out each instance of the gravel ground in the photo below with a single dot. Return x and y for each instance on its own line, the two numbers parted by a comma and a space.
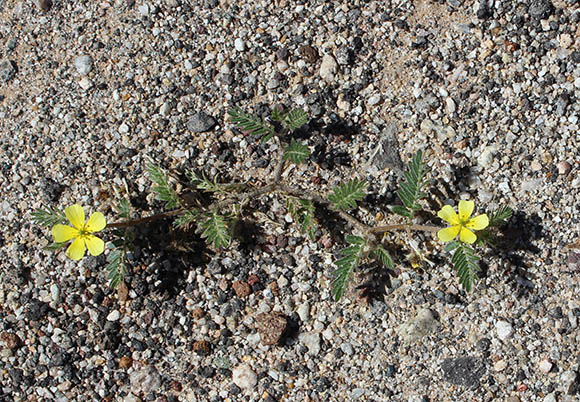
487, 89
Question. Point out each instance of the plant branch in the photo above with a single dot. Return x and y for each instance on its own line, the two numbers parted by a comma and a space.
147, 219
391, 228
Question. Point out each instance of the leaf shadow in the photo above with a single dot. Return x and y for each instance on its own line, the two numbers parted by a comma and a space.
514, 244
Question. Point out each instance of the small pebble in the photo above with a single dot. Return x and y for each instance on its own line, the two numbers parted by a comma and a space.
83, 64
244, 377
504, 330
240, 45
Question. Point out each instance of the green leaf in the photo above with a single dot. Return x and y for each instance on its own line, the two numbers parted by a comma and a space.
162, 189
500, 216
351, 257
125, 209
49, 217
215, 229
410, 190
185, 219
401, 210
294, 119
347, 194
203, 182
381, 254
452, 245
296, 152
255, 125
55, 246
117, 268
466, 264
302, 212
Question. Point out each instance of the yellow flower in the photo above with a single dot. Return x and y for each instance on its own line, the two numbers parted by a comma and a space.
461, 224
80, 232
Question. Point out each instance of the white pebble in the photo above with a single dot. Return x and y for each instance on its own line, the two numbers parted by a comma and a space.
545, 366
328, 68
504, 330
244, 377
450, 105
114, 315
83, 64
239, 45
373, 100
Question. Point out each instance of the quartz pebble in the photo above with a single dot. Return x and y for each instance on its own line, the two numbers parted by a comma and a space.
244, 377
504, 330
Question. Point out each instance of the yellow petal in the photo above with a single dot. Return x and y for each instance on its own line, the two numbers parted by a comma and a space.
467, 236
96, 222
76, 250
449, 233
448, 215
76, 215
62, 233
478, 223
95, 245
465, 210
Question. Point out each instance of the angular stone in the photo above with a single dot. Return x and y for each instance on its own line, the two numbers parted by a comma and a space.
242, 289
419, 326
465, 371
244, 377
201, 122
271, 327
386, 153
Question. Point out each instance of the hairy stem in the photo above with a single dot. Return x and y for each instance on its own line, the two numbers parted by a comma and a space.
147, 219
404, 226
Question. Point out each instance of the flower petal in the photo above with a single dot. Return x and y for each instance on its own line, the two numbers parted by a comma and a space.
467, 236
76, 215
62, 233
465, 210
95, 245
448, 215
96, 222
76, 250
478, 223
449, 233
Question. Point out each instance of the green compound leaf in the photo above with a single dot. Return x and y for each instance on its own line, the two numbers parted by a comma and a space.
215, 229
162, 189
466, 264
347, 194
117, 268
203, 182
381, 254
49, 217
294, 119
125, 209
185, 219
401, 210
55, 246
255, 125
296, 152
302, 212
351, 257
500, 216
452, 245
410, 190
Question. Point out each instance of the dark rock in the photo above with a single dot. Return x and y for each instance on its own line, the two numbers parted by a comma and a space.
7, 70
37, 310
44, 5
309, 53
271, 327
465, 371
11, 340
540, 9
200, 123
483, 11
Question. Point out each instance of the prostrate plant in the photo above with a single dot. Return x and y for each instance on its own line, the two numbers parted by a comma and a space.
213, 209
